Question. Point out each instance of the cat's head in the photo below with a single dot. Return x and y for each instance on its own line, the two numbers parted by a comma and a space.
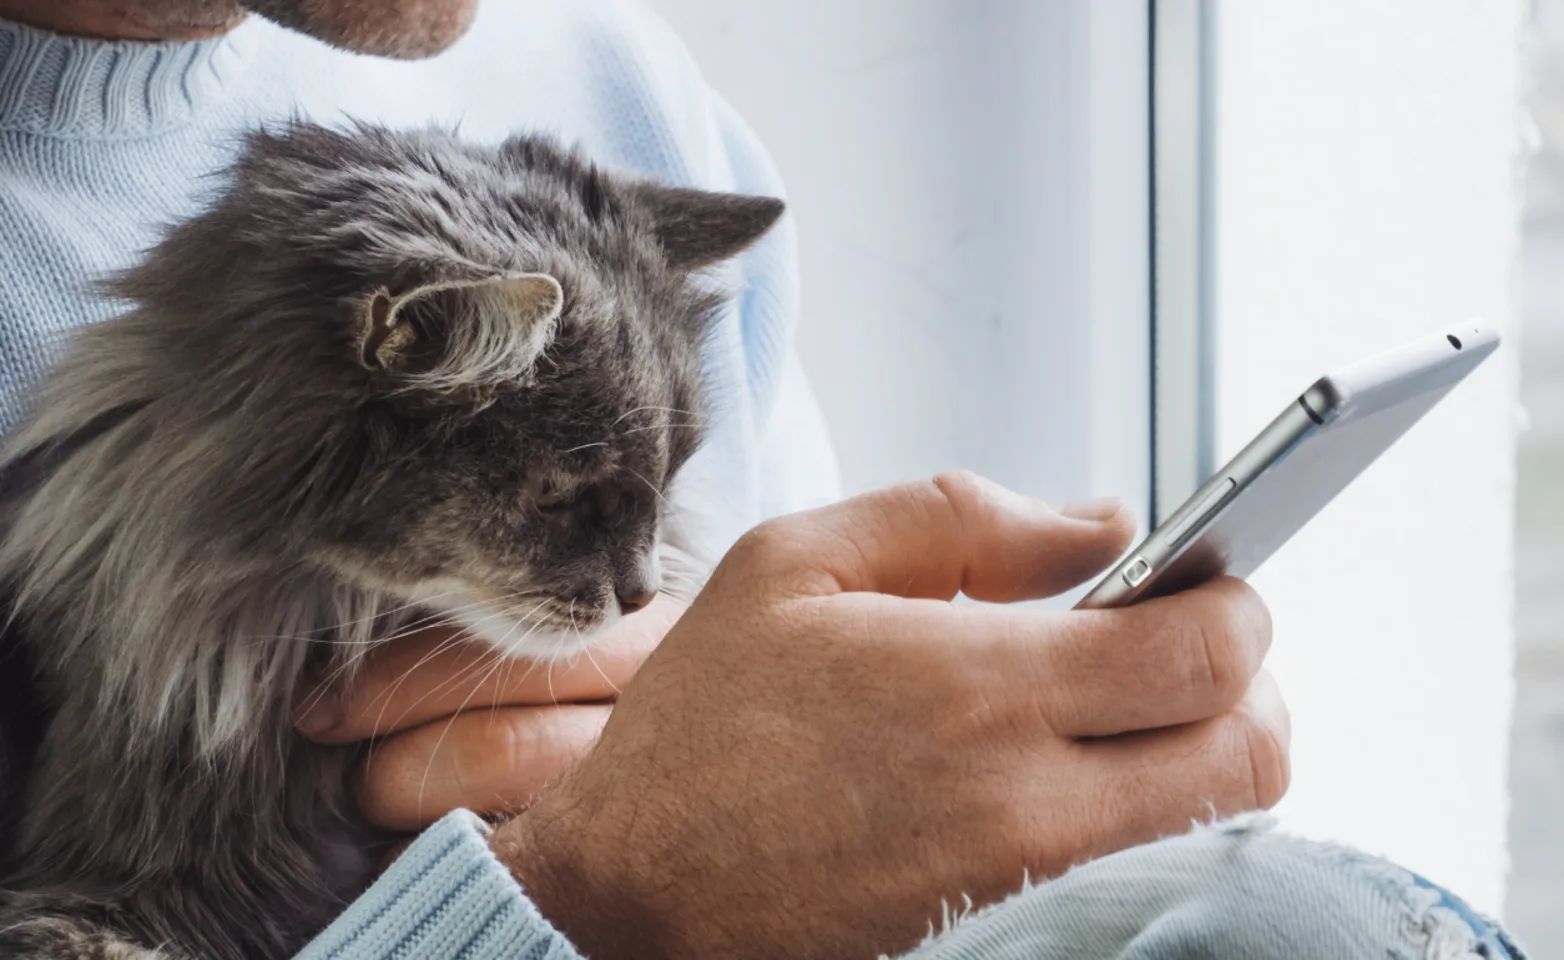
462, 375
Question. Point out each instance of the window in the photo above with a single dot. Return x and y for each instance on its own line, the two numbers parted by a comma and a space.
1537, 742
974, 190
1363, 176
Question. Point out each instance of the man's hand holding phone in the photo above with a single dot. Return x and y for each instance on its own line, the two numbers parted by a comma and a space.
823, 735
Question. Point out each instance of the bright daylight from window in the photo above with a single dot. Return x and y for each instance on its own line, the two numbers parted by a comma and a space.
653, 479
1537, 759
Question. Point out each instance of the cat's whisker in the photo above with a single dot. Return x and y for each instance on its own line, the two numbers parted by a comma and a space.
429, 622
384, 613
433, 618
441, 618
426, 622
586, 650
662, 426
389, 694
532, 662
510, 658
460, 637
461, 675
498, 659
585, 446
351, 664
324, 686
423, 782
502, 685
650, 486
581, 644
510, 651
679, 593
647, 408
549, 674
564, 653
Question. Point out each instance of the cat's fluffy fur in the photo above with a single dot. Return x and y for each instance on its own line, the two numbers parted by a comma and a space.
381, 367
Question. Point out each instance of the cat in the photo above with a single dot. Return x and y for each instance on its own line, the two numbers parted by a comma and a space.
384, 376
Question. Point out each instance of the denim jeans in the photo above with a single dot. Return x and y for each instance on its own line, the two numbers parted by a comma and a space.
1232, 890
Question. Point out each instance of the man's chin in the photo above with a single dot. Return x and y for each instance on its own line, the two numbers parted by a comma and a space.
403, 29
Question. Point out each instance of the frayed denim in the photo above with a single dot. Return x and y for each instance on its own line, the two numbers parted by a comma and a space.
1235, 889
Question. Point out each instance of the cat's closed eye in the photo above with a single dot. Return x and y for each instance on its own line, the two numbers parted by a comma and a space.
606, 499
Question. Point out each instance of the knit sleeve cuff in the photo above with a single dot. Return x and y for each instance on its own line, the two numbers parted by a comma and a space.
445, 898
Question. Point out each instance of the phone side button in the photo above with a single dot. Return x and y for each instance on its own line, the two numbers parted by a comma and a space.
1197, 516
1136, 573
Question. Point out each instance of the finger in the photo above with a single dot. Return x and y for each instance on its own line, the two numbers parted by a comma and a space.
1157, 783
1165, 662
956, 533
487, 761
434, 673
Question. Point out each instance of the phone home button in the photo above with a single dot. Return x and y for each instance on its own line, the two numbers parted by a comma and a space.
1135, 574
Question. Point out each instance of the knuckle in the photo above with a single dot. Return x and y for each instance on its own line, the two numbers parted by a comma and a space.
1269, 768
961, 489
1251, 616
767, 544
961, 500
1221, 664
1248, 765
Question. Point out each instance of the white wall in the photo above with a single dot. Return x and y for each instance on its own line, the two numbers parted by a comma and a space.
970, 183
1365, 196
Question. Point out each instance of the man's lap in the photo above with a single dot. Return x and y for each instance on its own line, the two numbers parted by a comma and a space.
1235, 889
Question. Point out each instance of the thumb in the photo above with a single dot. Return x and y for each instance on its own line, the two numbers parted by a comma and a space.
962, 533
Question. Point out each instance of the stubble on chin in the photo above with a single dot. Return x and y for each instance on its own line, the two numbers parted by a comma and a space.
403, 29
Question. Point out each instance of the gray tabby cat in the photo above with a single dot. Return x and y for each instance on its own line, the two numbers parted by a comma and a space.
382, 369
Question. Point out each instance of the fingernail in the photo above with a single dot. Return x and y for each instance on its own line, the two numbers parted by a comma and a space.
323, 716
1097, 511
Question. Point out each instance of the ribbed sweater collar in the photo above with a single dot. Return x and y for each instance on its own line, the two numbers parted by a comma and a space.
78, 88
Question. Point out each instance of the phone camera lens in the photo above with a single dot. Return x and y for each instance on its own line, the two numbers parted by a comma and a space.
1454, 340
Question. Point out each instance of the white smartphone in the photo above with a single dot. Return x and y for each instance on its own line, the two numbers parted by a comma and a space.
1297, 465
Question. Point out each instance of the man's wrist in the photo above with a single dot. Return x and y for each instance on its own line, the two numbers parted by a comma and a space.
597, 910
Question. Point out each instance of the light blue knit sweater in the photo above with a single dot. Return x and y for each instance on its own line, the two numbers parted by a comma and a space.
100, 143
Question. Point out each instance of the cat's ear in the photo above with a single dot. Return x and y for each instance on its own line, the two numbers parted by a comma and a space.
697, 228
460, 333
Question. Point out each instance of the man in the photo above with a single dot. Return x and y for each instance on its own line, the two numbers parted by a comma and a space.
823, 754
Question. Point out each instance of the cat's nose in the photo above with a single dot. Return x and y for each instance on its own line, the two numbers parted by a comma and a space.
632, 600
638, 587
